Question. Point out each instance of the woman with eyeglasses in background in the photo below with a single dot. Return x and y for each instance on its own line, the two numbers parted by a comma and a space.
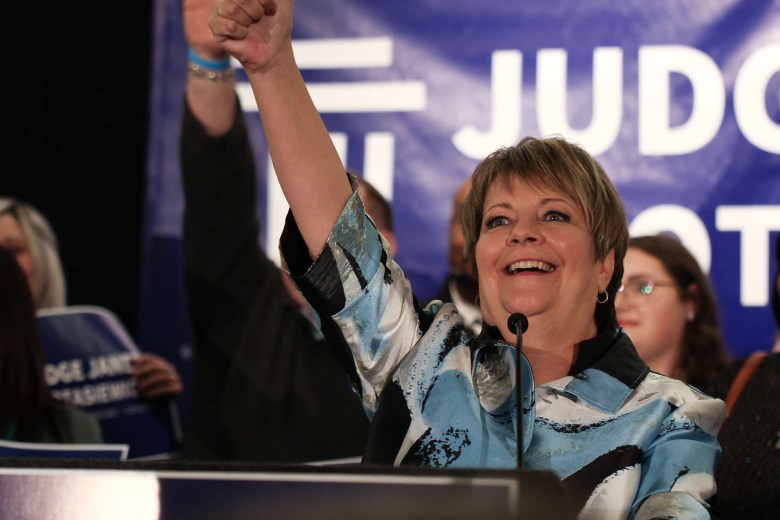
668, 308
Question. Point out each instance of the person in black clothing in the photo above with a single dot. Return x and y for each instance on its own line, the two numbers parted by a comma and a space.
267, 386
460, 287
28, 411
748, 475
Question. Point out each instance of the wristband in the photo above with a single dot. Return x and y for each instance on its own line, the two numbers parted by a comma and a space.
203, 63
212, 75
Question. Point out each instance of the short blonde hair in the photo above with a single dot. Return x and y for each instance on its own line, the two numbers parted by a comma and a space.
556, 163
44, 251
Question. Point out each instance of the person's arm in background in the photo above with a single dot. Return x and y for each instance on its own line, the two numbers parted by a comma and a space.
224, 267
218, 172
211, 101
310, 171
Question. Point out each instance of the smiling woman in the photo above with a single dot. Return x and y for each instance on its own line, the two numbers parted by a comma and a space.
547, 208
547, 233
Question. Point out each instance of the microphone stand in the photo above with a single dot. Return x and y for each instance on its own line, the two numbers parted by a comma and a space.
518, 323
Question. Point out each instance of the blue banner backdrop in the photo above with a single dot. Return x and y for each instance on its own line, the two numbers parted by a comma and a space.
680, 101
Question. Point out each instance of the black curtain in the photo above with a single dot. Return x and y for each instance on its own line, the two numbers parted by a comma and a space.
77, 91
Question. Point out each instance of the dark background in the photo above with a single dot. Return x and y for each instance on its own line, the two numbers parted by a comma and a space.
76, 102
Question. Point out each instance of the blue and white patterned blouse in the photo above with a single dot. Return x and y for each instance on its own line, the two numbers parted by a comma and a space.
627, 442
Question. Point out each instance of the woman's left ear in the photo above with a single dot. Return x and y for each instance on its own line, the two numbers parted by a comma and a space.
607, 269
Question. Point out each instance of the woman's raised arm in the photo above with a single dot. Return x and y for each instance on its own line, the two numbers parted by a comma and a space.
258, 33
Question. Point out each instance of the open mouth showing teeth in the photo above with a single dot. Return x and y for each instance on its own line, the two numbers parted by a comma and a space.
530, 265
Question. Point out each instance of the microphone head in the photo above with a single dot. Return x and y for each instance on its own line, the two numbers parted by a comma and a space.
517, 322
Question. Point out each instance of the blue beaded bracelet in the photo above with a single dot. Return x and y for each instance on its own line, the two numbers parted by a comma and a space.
203, 63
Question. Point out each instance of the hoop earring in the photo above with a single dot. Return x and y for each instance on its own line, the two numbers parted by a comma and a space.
605, 300
476, 301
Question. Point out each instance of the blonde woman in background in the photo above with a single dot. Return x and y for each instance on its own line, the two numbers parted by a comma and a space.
26, 233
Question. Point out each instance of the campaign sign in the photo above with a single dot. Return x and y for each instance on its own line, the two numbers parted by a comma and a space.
89, 358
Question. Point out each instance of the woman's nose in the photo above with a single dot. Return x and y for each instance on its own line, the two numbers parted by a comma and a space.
524, 233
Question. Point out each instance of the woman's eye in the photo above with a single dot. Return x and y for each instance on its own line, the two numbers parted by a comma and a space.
496, 221
556, 216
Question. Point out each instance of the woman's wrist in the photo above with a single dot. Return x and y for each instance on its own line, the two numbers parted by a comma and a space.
211, 69
208, 63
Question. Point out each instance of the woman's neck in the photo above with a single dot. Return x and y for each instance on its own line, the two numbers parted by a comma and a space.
549, 365
668, 363
552, 349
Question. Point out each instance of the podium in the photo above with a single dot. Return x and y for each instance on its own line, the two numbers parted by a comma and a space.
172, 490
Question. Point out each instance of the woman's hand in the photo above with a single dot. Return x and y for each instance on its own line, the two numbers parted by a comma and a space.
196, 15
155, 377
253, 31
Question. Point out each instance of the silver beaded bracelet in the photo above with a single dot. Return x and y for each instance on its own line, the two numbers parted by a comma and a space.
212, 75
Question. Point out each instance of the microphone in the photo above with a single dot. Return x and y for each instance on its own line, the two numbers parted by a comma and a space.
515, 320
518, 324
